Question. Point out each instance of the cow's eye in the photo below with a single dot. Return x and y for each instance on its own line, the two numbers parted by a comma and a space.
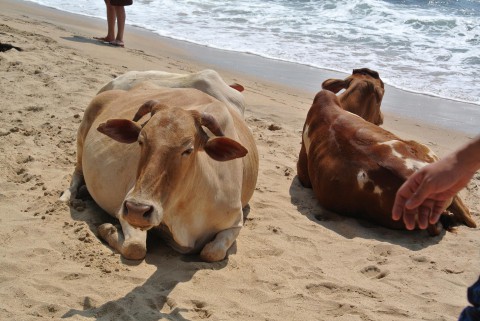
187, 152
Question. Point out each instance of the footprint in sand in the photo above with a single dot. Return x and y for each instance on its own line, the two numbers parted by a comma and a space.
373, 272
200, 308
337, 290
383, 250
274, 127
75, 276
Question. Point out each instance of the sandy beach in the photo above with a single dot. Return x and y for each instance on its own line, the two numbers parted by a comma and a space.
293, 261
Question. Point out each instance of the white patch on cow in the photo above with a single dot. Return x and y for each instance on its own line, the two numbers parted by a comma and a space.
391, 144
306, 139
414, 164
377, 190
409, 163
363, 179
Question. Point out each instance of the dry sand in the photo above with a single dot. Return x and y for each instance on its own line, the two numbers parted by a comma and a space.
293, 261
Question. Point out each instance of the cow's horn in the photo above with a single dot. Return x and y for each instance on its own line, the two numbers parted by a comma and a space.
211, 123
145, 109
151, 106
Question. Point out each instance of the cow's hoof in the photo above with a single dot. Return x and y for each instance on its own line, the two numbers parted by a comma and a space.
434, 229
107, 231
212, 253
134, 251
66, 196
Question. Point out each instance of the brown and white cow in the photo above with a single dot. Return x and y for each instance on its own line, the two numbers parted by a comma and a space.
363, 93
176, 159
208, 81
355, 167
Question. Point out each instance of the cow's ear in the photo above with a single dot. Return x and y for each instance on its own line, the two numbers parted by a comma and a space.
237, 87
122, 130
334, 85
379, 91
224, 149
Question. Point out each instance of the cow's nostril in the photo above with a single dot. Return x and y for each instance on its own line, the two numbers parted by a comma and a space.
148, 213
137, 209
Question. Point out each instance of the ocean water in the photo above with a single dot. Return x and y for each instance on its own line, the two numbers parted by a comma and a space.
424, 46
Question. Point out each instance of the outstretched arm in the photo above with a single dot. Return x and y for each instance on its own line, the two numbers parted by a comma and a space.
429, 189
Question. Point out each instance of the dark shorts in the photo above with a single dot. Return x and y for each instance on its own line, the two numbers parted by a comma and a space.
472, 313
121, 2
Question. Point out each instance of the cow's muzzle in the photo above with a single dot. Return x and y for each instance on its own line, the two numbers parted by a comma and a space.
137, 214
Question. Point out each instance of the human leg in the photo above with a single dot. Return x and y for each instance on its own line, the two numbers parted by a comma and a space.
121, 17
111, 17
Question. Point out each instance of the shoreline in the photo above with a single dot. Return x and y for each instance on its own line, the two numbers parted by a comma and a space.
451, 114
302, 65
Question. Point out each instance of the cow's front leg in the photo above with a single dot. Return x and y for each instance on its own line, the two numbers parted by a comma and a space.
71, 192
217, 249
131, 244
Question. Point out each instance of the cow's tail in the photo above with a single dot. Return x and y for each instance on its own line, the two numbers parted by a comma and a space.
461, 214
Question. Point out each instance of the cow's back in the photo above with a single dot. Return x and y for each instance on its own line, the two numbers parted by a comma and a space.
208, 81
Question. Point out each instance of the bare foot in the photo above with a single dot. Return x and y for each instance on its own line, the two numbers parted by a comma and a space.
103, 39
117, 43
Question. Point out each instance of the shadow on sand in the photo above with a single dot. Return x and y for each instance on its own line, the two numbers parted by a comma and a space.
88, 40
307, 204
149, 301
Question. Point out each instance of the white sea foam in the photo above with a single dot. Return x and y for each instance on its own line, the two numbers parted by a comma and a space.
428, 47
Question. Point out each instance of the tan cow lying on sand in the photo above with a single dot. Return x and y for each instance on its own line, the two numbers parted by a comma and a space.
174, 159
208, 81
363, 94
355, 167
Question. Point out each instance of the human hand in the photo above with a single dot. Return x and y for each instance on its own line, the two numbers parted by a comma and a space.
427, 193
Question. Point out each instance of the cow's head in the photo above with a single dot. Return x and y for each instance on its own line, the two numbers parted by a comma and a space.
169, 145
363, 93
